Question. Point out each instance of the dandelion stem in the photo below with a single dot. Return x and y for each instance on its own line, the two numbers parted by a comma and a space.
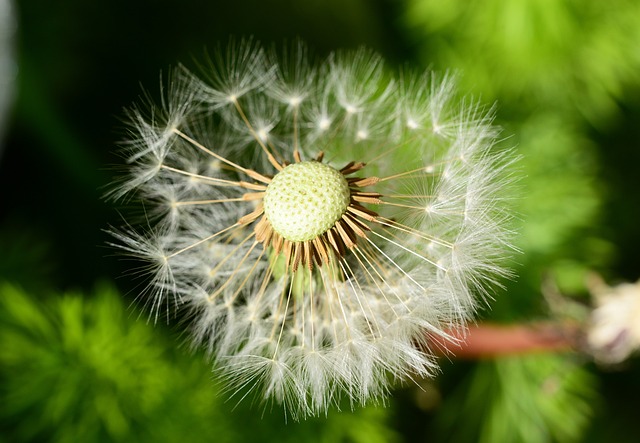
490, 341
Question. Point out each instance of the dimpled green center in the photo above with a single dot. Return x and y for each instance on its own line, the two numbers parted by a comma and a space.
305, 199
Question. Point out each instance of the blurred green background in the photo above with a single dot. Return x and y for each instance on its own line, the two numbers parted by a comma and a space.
78, 363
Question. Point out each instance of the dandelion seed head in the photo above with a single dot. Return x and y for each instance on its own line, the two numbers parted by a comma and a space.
312, 226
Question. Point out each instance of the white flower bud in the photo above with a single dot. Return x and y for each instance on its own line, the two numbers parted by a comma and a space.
614, 331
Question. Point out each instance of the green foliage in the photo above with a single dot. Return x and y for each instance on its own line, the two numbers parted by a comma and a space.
85, 369
558, 192
560, 71
532, 399
558, 203
568, 53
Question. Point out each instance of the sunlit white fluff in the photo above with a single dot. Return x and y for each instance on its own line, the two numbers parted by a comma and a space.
311, 336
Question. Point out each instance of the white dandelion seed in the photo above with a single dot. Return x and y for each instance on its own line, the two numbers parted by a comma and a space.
320, 254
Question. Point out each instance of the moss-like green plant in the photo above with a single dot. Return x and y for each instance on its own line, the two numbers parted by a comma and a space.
86, 369
531, 399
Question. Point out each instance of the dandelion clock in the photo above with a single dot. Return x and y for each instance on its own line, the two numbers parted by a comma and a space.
321, 225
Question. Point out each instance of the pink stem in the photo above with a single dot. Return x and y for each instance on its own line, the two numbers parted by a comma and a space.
492, 340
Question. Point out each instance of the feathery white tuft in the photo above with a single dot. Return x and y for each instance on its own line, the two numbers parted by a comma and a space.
350, 311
